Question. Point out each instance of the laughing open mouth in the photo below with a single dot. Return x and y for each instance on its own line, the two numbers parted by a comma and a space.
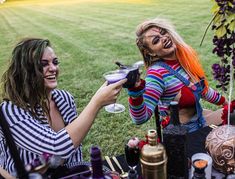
50, 77
168, 43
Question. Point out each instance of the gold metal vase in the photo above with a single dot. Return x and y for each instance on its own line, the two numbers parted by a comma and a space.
153, 158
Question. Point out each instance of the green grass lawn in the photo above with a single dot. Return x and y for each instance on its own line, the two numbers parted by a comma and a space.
89, 35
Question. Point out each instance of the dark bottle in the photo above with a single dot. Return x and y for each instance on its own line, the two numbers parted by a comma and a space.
132, 174
232, 118
174, 139
199, 169
96, 164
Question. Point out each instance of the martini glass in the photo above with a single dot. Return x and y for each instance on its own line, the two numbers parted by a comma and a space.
113, 77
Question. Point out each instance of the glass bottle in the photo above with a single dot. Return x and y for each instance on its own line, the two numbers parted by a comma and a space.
96, 164
132, 174
174, 139
199, 169
231, 176
153, 158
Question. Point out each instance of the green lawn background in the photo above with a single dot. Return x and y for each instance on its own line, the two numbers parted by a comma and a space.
88, 36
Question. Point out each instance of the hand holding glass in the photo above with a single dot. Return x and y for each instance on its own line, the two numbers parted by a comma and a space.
113, 77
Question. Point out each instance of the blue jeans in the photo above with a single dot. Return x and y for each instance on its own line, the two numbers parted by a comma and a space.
193, 124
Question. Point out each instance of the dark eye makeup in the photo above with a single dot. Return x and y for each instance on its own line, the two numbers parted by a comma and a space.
155, 40
162, 31
55, 61
45, 63
157, 37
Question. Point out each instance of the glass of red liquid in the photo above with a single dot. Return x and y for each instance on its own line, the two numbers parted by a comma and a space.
132, 155
113, 77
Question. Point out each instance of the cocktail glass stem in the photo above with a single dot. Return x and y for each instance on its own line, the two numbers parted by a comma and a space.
113, 77
115, 108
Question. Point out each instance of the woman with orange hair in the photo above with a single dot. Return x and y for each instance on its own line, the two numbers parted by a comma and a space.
173, 73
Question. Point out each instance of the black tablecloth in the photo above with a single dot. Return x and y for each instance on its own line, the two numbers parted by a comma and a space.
196, 141
195, 144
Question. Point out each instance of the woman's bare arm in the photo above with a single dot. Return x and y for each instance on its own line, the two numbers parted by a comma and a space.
81, 125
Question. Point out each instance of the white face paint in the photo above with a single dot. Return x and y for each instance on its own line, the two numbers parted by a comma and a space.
160, 43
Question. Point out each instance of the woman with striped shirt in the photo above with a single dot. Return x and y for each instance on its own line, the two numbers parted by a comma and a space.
173, 74
43, 119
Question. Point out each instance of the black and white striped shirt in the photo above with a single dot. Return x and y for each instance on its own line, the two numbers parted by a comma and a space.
35, 136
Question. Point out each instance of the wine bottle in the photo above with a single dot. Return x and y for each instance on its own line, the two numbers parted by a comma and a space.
96, 164
174, 139
199, 169
153, 158
132, 174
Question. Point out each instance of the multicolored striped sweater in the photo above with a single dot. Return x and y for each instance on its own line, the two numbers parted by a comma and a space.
161, 87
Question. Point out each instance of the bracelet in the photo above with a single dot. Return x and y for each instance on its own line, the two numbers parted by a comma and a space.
136, 93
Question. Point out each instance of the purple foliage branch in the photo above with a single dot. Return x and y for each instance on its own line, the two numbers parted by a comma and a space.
223, 25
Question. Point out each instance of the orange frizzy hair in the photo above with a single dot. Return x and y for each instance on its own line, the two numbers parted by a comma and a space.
189, 60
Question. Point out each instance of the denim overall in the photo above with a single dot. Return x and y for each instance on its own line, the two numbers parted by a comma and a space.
197, 120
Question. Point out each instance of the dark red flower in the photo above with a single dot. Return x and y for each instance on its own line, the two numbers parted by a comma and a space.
142, 143
165, 121
224, 116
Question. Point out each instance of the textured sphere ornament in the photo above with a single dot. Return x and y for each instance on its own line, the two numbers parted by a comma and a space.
220, 144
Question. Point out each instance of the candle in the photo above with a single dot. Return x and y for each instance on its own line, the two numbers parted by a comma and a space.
206, 157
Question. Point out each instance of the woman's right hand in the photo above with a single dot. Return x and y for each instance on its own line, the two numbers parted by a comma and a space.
107, 94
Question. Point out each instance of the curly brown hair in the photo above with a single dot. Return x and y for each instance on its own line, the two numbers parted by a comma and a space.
23, 82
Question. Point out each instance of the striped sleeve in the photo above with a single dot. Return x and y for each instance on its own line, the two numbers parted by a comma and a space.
30, 135
214, 97
65, 103
142, 108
